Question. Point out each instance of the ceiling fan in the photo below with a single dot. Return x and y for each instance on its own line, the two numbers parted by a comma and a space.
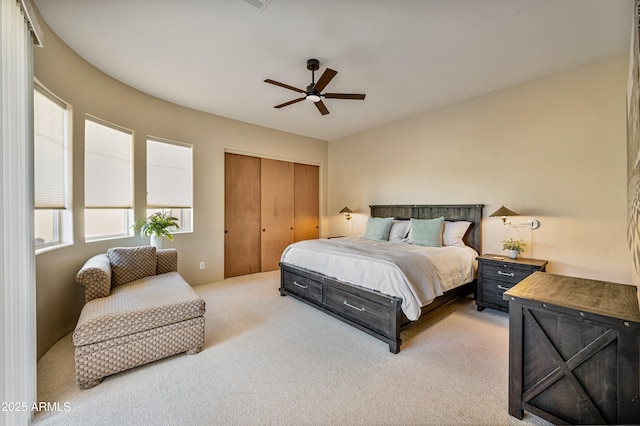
313, 91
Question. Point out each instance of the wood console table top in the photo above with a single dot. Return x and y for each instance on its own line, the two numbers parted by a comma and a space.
596, 297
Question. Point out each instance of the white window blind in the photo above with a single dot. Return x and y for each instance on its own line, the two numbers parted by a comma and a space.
107, 166
50, 153
169, 175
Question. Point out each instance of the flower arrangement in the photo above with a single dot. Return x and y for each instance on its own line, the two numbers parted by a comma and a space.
159, 224
514, 246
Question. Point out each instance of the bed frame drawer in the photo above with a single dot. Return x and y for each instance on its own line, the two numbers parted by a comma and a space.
302, 286
363, 310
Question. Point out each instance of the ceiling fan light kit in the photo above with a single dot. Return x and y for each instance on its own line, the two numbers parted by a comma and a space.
313, 92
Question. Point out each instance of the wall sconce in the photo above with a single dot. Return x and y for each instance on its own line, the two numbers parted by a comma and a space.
346, 212
504, 212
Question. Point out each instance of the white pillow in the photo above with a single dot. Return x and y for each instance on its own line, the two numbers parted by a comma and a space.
453, 233
399, 230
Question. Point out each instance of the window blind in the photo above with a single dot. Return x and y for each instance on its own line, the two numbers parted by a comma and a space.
107, 166
169, 175
50, 152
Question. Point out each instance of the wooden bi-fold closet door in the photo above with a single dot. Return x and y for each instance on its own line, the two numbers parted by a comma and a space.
277, 211
306, 202
269, 204
242, 215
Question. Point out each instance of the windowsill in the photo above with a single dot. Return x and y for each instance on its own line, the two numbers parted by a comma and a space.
52, 248
120, 237
115, 237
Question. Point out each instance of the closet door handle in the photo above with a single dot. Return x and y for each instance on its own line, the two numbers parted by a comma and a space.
264, 230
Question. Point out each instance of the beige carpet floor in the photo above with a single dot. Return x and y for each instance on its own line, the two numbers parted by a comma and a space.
272, 360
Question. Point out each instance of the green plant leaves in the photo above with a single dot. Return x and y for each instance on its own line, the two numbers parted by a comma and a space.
516, 245
160, 223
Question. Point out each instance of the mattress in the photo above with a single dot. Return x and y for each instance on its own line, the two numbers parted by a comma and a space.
417, 274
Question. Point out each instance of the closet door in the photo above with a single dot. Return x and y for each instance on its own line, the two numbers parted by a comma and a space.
277, 210
242, 215
307, 202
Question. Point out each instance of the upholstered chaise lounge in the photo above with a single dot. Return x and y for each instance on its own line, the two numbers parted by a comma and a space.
138, 310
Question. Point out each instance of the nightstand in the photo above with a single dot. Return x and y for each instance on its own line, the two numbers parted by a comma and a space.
497, 274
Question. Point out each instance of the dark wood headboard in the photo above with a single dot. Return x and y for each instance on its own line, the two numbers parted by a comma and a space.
469, 212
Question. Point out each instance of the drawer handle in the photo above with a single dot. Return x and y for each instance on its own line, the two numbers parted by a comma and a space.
300, 285
503, 288
508, 274
352, 306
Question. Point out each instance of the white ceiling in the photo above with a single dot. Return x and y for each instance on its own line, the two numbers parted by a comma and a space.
408, 56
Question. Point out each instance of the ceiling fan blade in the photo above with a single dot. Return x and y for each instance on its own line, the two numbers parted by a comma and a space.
357, 96
324, 79
286, 86
322, 108
290, 102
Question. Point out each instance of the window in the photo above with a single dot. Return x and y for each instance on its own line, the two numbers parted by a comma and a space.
51, 160
107, 180
170, 180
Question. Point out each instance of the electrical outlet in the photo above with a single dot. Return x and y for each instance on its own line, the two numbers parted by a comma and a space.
202, 265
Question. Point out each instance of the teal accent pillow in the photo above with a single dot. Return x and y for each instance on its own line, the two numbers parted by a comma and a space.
378, 228
427, 232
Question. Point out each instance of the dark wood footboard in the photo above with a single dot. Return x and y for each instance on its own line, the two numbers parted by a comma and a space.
367, 310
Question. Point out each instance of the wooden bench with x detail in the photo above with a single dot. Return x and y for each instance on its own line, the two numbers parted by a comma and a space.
574, 350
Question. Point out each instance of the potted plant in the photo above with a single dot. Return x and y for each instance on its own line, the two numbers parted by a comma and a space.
515, 247
157, 226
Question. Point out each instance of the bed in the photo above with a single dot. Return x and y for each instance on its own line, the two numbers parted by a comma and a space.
370, 306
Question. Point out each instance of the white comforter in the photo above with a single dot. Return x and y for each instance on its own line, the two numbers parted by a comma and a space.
415, 273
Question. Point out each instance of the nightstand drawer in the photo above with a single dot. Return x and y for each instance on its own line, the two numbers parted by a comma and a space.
492, 291
505, 272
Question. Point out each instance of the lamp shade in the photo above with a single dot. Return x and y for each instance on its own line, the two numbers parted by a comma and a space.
503, 211
345, 210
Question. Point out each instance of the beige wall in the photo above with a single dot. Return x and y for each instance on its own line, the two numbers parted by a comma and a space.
89, 91
553, 149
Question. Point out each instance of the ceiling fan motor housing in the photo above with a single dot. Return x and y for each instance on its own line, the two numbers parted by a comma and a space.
312, 94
